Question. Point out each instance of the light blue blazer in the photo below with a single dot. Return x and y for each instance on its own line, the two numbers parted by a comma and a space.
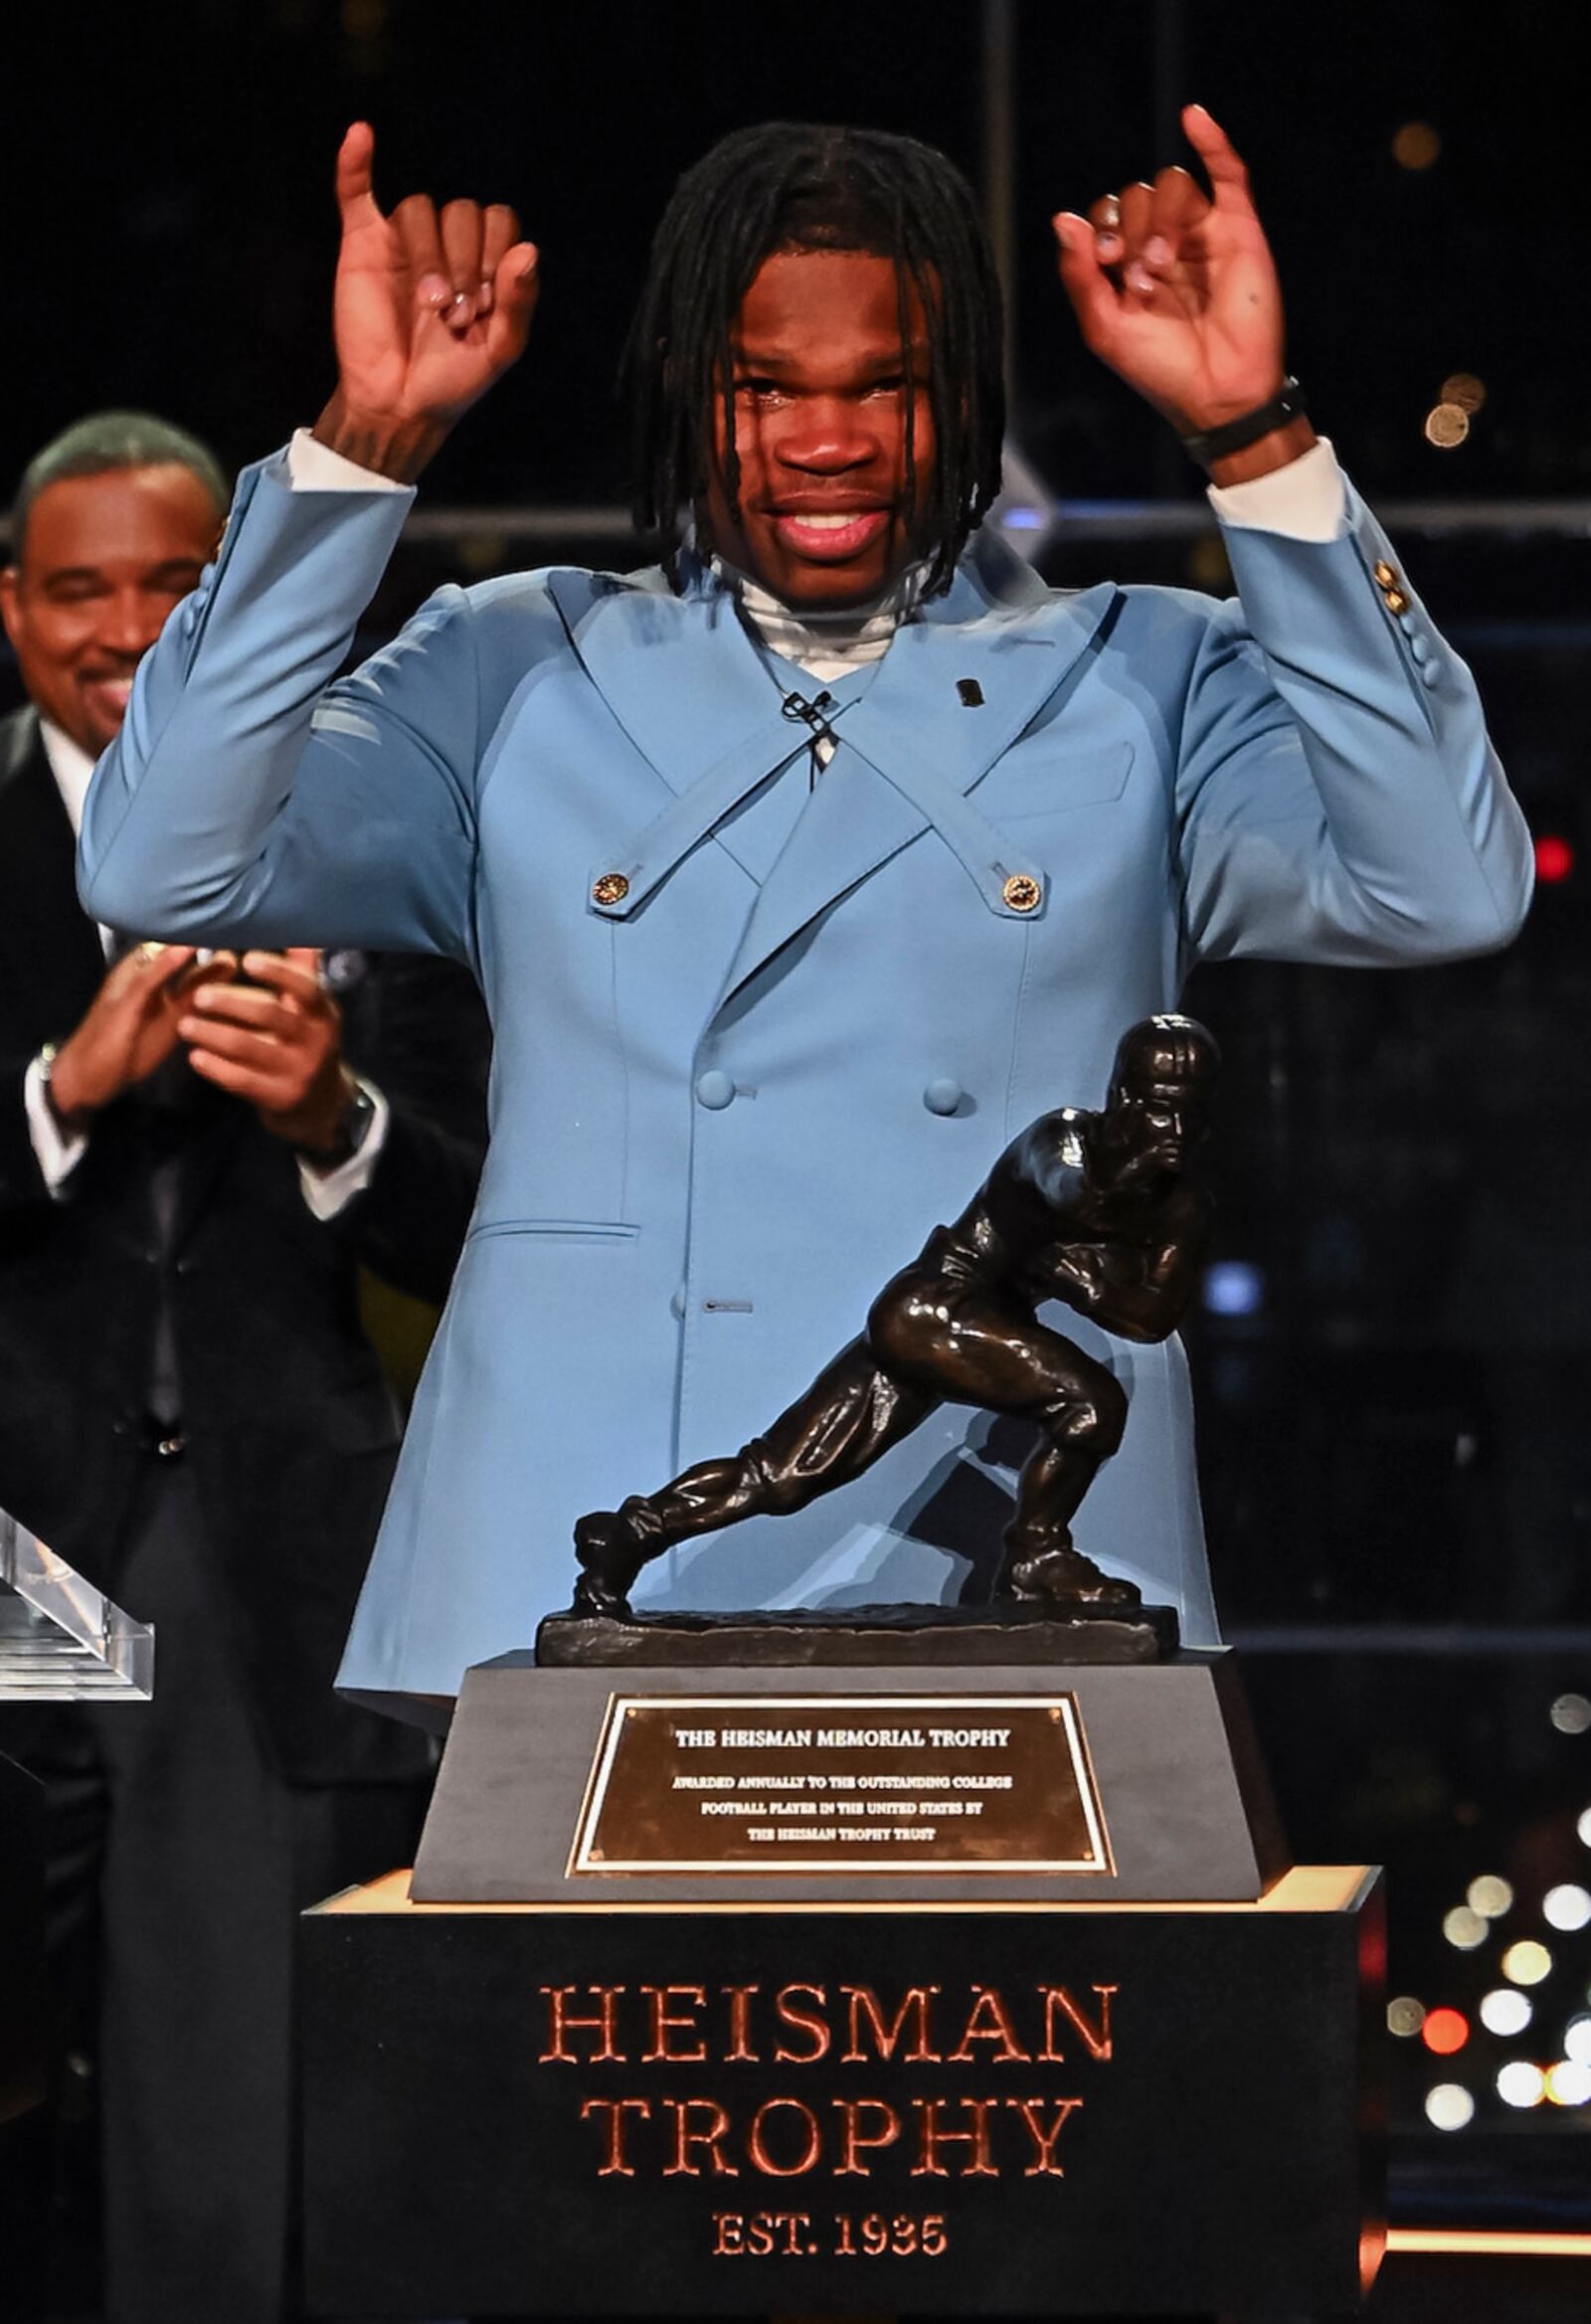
728, 1102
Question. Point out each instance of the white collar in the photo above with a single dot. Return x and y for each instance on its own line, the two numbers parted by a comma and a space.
827, 644
70, 766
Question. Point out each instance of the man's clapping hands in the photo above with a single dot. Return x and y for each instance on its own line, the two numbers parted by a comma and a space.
273, 1040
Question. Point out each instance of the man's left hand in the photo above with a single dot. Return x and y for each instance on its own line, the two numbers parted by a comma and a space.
275, 1042
1177, 291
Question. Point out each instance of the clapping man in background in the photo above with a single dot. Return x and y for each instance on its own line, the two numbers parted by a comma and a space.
196, 1155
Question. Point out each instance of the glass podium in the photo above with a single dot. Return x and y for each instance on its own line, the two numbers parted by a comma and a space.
60, 1639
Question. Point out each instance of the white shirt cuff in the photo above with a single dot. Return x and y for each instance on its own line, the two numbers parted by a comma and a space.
1304, 501
56, 1151
313, 467
328, 1191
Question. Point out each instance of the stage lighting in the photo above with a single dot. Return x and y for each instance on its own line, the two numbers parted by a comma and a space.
1445, 2032
1449, 2106
1527, 1963
1566, 1906
1416, 146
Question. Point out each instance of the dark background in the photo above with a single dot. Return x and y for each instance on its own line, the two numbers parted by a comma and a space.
1396, 1423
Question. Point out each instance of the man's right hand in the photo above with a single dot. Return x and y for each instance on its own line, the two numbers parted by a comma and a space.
427, 313
130, 1028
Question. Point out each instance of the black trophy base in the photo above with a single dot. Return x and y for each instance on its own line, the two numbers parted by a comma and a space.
892, 1637
1076, 2111
1168, 1745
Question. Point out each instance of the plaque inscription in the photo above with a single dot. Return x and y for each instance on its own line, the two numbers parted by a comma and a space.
833, 1783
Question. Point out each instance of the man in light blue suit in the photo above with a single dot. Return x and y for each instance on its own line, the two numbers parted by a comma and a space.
801, 873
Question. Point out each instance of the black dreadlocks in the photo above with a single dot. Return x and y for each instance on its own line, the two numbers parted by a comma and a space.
796, 185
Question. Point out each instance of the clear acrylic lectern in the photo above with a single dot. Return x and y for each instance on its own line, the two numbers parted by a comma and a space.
60, 1639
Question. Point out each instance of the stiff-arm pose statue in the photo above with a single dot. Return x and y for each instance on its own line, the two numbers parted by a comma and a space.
1090, 1208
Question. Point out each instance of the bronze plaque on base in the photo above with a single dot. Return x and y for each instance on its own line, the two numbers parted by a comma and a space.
837, 1783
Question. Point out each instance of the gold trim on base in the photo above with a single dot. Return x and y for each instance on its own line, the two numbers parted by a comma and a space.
1306, 1888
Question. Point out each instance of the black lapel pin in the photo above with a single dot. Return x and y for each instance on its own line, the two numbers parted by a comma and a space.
971, 693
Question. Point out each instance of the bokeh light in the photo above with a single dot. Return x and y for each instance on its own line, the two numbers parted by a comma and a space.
1554, 858
1520, 2083
1416, 145
1465, 1929
1566, 1906
1569, 2084
1505, 2011
1527, 1963
1234, 1287
1446, 426
1464, 390
1576, 2039
1490, 1896
1583, 1828
1405, 2016
1449, 2106
1445, 2032
1571, 1715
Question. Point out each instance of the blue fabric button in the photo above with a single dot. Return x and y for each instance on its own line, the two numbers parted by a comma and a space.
1420, 647
715, 1090
1430, 671
1408, 624
942, 1096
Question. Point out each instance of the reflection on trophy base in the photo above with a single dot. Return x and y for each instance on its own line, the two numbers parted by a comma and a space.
1013, 1632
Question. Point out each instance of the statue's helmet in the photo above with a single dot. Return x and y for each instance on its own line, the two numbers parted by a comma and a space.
1165, 1053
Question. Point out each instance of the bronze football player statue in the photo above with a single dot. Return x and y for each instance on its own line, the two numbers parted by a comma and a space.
1094, 1209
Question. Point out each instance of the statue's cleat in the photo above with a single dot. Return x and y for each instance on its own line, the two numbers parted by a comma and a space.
1061, 1576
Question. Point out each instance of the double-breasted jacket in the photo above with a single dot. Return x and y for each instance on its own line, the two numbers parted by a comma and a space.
756, 1034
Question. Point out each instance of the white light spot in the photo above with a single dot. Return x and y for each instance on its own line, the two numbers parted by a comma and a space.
1571, 1715
1569, 2084
1405, 2016
1465, 1929
1527, 1963
1490, 1896
1520, 2083
1505, 2011
1567, 1906
1449, 2106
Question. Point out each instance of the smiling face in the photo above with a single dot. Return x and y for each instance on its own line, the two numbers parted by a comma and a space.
820, 415
103, 560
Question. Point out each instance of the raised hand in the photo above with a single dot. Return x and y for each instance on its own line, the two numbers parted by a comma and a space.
131, 1027
1177, 291
427, 312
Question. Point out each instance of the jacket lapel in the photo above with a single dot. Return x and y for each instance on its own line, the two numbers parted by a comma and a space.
53, 945
957, 687
695, 700
913, 748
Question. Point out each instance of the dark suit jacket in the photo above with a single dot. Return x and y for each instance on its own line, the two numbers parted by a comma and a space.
291, 1427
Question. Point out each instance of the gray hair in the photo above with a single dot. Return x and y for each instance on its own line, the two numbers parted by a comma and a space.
106, 441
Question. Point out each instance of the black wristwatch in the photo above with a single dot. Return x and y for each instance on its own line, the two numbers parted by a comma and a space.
353, 1127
